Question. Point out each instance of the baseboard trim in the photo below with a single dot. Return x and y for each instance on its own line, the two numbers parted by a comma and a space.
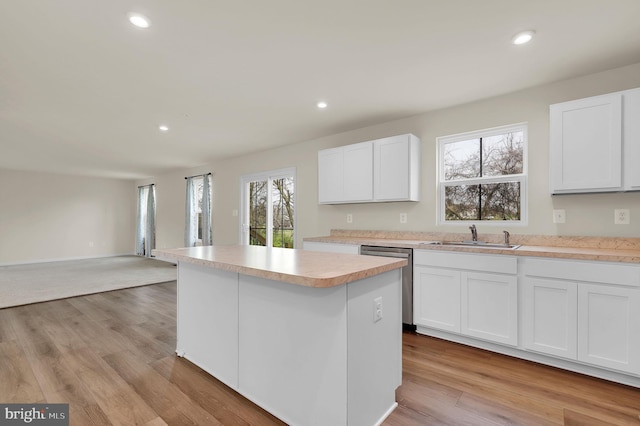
387, 414
29, 262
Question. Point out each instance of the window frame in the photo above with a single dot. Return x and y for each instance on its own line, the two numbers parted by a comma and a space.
522, 178
269, 176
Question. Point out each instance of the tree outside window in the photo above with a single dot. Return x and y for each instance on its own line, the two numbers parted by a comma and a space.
270, 214
482, 176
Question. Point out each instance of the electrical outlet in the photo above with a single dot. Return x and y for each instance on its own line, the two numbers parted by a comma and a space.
234, 213
403, 218
349, 218
559, 216
377, 309
621, 217
90, 244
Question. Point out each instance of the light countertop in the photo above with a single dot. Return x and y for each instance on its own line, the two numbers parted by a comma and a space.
293, 266
608, 249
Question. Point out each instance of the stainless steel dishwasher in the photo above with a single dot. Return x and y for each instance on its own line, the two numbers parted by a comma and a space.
407, 277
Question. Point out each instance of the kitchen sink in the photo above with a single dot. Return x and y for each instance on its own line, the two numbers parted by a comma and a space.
483, 244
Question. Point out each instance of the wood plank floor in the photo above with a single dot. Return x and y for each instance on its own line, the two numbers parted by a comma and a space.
111, 356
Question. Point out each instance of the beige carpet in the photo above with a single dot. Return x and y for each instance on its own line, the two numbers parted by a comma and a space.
39, 282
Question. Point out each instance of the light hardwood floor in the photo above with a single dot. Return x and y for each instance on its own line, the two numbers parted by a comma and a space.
111, 356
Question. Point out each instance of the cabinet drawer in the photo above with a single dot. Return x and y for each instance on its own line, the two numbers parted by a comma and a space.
500, 264
598, 272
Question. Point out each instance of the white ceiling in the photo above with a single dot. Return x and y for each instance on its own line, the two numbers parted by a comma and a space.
82, 91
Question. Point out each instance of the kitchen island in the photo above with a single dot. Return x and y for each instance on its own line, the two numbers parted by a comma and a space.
313, 338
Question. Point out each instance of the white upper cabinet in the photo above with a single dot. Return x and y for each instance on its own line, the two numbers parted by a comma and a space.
330, 171
386, 169
592, 144
631, 137
358, 169
345, 174
396, 172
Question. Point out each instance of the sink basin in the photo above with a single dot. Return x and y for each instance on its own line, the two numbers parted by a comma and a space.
473, 244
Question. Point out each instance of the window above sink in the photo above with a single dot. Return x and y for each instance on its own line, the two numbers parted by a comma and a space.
482, 176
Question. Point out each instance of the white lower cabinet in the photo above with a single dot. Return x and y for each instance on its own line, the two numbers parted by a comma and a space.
575, 314
436, 298
454, 293
489, 305
550, 316
567, 314
609, 326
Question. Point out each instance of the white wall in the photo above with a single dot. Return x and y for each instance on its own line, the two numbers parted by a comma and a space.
586, 214
45, 217
51, 217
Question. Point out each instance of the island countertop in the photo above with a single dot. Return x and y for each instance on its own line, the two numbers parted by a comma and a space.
293, 266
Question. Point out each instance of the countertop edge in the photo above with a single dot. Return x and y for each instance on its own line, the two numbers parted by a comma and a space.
304, 280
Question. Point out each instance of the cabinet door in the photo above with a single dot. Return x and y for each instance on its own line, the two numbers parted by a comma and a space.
330, 175
631, 138
489, 307
358, 172
586, 145
395, 172
550, 316
609, 326
436, 298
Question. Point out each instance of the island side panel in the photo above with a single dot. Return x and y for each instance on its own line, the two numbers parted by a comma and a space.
375, 348
208, 320
293, 350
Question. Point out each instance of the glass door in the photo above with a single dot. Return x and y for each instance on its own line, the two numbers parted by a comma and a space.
258, 198
268, 206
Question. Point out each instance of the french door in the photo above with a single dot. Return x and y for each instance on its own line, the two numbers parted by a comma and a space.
268, 209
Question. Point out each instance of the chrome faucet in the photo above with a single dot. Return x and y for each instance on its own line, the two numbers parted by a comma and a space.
474, 233
506, 238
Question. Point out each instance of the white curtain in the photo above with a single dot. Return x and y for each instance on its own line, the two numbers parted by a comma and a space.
207, 236
141, 219
146, 221
190, 216
197, 218
150, 231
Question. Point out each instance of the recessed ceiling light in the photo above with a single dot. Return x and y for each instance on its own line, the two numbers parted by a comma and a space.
163, 128
139, 21
322, 105
523, 37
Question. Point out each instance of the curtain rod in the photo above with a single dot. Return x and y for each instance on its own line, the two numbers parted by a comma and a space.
206, 174
144, 186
